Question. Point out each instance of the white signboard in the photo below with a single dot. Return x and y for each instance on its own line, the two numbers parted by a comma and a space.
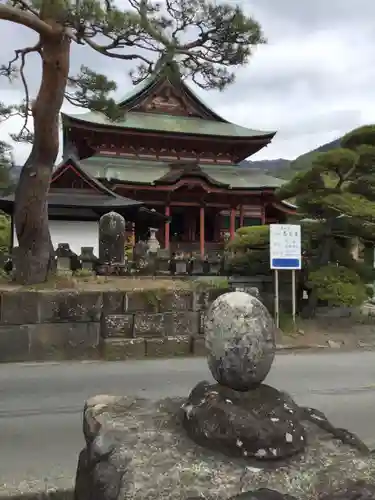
285, 246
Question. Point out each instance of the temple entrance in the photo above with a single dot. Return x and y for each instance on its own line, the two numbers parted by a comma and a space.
178, 224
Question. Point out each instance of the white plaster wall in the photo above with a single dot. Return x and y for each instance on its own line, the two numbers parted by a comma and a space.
78, 234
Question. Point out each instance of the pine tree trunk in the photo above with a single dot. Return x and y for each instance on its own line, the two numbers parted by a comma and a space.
35, 256
325, 255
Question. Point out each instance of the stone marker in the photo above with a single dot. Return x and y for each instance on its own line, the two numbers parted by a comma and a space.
240, 339
112, 238
240, 416
64, 255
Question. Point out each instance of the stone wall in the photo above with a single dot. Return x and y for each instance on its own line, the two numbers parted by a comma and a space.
112, 325
266, 288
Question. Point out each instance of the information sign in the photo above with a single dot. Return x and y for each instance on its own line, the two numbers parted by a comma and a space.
285, 246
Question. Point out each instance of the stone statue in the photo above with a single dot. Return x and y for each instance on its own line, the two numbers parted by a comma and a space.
112, 238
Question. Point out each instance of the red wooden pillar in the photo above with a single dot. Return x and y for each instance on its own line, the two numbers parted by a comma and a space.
263, 214
217, 227
193, 227
241, 215
232, 224
201, 231
167, 228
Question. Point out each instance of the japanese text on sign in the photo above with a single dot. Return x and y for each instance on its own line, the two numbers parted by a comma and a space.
285, 246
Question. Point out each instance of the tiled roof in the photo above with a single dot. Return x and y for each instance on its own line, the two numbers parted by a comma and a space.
215, 126
148, 172
157, 122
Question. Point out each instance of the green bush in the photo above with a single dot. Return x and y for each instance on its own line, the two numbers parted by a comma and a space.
338, 285
5, 235
250, 251
250, 238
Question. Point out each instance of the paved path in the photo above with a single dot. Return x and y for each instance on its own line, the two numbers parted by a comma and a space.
41, 404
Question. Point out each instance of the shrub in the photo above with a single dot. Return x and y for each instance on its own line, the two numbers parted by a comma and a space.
338, 285
250, 251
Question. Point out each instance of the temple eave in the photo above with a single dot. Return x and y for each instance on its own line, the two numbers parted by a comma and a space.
263, 137
117, 184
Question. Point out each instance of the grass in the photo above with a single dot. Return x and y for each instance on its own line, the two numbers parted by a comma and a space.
86, 280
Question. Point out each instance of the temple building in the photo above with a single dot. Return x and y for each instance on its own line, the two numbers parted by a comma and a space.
76, 201
174, 154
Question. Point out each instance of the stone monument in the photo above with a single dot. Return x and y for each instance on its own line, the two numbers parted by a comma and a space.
214, 443
112, 238
239, 415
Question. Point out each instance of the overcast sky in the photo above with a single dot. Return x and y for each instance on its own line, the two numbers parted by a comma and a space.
312, 82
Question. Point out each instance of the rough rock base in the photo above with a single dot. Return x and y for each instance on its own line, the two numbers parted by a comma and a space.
138, 449
262, 423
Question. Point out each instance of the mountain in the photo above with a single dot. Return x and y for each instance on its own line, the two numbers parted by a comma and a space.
286, 169
276, 168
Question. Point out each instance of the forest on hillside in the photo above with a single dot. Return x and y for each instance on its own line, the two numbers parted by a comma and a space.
285, 169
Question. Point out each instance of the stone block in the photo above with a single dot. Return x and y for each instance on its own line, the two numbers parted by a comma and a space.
58, 341
149, 325
113, 303
122, 349
176, 300
214, 293
14, 343
19, 308
168, 347
142, 300
182, 323
198, 346
118, 325
200, 301
202, 320
70, 307
203, 299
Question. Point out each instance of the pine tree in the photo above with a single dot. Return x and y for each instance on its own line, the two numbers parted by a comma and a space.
337, 196
208, 40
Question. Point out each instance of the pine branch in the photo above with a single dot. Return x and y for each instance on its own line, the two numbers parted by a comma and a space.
23, 5
24, 110
92, 91
25, 18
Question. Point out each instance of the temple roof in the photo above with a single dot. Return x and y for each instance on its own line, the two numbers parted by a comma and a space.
88, 198
164, 102
172, 124
167, 73
153, 172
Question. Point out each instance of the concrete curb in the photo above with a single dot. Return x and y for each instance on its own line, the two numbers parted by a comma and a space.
319, 347
280, 348
306, 347
53, 494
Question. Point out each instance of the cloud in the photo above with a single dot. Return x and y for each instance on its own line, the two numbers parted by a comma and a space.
312, 82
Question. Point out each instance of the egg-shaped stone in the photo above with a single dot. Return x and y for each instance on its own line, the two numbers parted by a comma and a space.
240, 340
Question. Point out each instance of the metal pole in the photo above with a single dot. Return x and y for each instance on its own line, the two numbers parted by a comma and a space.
277, 313
294, 305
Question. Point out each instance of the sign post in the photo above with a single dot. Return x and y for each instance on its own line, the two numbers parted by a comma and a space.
285, 254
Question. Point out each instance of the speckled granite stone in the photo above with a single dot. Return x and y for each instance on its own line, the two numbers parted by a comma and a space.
240, 339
